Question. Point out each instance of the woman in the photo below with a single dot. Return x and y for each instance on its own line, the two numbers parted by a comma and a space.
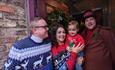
62, 58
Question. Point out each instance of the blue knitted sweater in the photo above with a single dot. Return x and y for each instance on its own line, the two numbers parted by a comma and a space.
27, 54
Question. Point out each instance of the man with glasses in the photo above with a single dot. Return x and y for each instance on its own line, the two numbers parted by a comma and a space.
33, 52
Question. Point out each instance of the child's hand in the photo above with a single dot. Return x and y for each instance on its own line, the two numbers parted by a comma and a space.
80, 60
69, 49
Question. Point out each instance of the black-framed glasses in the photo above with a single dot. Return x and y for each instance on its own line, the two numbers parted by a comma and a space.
41, 26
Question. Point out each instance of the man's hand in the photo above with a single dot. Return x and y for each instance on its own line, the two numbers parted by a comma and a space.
80, 60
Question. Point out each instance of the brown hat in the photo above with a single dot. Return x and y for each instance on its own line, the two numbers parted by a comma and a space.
87, 14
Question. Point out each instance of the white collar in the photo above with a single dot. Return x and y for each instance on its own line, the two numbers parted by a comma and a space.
36, 39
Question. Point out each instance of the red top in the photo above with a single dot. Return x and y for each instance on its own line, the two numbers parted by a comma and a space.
57, 50
75, 39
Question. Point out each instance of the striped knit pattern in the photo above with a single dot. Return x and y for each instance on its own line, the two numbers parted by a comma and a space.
26, 54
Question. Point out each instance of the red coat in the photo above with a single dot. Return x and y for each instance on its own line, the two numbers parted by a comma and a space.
100, 49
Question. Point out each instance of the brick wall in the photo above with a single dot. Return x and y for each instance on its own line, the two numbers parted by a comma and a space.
13, 27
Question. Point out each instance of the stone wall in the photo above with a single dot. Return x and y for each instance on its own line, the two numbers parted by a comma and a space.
13, 27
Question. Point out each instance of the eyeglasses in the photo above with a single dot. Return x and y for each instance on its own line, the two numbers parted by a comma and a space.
42, 26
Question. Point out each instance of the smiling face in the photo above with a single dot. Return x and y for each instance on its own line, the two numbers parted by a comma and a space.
90, 22
72, 30
60, 35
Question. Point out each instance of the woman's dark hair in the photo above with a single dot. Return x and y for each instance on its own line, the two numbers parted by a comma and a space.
53, 29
